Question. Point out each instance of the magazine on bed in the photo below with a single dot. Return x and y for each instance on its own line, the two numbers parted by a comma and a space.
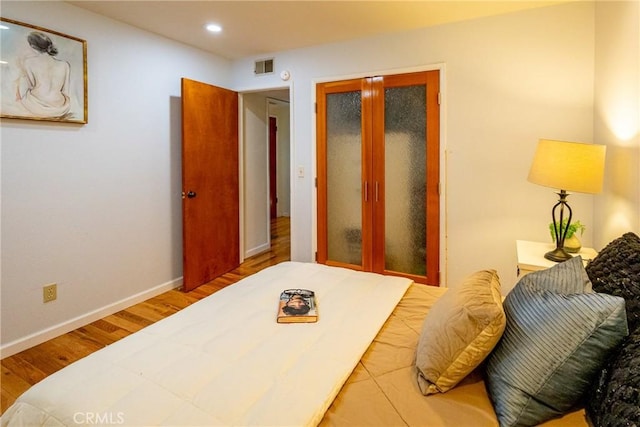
297, 306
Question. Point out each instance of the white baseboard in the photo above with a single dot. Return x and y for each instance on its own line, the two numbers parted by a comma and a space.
257, 250
29, 341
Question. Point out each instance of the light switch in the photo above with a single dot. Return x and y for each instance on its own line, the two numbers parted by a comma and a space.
300, 171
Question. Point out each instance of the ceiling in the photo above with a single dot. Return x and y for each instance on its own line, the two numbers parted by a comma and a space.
256, 28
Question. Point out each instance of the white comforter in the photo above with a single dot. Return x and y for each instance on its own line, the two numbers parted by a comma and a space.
225, 360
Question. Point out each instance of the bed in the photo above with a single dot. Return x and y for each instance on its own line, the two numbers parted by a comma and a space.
226, 361
383, 391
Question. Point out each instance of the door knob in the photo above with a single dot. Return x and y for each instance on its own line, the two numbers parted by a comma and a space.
191, 194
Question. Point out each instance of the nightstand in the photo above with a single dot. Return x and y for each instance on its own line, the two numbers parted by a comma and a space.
531, 256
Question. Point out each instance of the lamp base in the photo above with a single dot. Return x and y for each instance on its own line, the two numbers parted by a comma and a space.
557, 255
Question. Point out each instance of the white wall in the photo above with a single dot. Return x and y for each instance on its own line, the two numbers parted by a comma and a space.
617, 117
255, 174
280, 110
508, 81
96, 208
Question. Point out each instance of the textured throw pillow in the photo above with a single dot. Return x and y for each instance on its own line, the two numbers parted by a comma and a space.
615, 396
616, 271
460, 330
558, 335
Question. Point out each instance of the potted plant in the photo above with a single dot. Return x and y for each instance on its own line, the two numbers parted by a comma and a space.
572, 243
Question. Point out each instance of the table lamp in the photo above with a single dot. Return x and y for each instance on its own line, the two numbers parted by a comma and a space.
566, 166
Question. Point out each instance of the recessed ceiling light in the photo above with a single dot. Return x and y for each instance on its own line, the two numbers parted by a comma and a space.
214, 28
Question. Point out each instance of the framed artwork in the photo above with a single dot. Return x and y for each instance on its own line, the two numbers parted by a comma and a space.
43, 74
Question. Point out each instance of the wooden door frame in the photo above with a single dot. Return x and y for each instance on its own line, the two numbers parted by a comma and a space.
442, 186
272, 140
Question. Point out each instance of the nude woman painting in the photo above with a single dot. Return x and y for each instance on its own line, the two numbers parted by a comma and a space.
43, 88
43, 74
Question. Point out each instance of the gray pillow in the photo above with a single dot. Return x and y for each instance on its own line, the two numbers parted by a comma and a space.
558, 334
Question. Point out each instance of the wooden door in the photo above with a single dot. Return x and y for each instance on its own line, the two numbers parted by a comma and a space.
210, 183
344, 190
378, 174
406, 152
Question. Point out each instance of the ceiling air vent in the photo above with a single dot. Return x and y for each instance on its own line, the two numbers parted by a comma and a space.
264, 66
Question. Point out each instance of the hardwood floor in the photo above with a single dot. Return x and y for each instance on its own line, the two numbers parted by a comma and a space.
24, 369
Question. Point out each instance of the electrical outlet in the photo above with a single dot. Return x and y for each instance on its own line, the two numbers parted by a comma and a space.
49, 292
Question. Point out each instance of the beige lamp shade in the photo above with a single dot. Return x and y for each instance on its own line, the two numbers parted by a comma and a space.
570, 166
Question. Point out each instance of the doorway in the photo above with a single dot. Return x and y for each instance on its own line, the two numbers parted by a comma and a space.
260, 177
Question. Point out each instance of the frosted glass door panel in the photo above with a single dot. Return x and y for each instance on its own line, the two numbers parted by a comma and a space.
378, 174
344, 177
405, 179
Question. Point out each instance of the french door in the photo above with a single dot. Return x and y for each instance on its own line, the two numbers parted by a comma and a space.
378, 174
